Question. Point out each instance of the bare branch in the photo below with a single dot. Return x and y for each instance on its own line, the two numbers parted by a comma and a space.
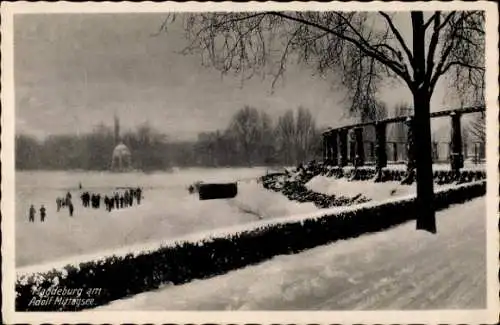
344, 42
462, 64
432, 47
163, 27
447, 19
390, 48
431, 19
234, 20
439, 69
461, 50
395, 66
398, 36
283, 59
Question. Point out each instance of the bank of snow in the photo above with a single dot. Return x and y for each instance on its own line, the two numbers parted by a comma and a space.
268, 204
369, 189
397, 269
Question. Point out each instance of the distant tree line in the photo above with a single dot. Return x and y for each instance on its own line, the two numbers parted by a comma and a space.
251, 138
91, 151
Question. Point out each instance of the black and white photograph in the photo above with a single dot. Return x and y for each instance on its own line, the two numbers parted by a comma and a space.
327, 160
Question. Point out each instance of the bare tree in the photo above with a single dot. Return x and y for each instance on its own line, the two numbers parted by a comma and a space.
366, 48
285, 134
477, 128
246, 129
304, 133
266, 141
374, 112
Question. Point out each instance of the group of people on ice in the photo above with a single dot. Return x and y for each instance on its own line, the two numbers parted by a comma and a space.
32, 213
93, 200
65, 202
60, 203
115, 201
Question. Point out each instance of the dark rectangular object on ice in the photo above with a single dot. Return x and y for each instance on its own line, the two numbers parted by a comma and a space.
217, 191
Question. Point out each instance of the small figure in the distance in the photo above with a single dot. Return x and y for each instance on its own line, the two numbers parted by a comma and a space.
80, 185
68, 198
117, 200
32, 214
71, 208
139, 195
58, 204
42, 213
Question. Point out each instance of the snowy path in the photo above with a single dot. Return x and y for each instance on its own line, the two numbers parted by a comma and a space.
397, 269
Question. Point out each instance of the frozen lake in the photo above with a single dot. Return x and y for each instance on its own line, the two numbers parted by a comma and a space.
167, 210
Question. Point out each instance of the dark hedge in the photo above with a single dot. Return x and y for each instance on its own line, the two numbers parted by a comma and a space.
392, 174
296, 191
122, 276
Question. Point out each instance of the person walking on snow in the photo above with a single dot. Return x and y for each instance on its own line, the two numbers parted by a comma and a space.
58, 204
32, 214
42, 213
117, 201
139, 195
71, 208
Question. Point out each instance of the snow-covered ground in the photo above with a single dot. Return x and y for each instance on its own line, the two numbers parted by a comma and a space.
400, 268
167, 211
371, 190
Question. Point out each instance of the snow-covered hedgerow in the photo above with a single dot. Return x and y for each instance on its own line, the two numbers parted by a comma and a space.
124, 275
441, 175
297, 191
294, 185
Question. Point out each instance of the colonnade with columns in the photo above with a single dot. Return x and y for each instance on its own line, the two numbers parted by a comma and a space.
336, 142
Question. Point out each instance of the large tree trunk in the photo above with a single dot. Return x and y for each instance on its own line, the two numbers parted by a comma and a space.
423, 149
426, 219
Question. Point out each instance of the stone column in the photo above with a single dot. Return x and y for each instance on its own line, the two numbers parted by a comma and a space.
381, 138
476, 153
359, 157
456, 157
410, 147
352, 146
380, 149
332, 141
326, 151
343, 147
482, 151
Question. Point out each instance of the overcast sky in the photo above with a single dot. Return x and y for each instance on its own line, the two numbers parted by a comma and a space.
73, 71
